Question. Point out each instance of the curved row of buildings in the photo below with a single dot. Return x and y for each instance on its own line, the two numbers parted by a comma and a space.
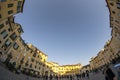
16, 53
31, 60
111, 50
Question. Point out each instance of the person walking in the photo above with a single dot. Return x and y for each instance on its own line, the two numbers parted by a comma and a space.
87, 74
118, 74
27, 78
51, 77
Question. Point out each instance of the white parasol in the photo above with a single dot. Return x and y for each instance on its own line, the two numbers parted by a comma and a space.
117, 65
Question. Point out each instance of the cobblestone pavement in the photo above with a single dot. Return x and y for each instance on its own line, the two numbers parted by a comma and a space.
5, 74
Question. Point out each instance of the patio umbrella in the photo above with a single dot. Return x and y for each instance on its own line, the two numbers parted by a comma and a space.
117, 65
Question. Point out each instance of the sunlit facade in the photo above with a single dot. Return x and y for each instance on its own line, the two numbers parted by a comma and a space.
9, 30
64, 69
10, 33
10, 7
34, 61
70, 69
53, 68
30, 60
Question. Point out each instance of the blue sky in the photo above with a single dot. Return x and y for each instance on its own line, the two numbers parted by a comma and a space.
68, 31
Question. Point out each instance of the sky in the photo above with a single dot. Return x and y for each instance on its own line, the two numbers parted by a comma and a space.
68, 31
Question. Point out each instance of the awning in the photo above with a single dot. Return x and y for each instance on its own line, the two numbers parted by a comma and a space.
117, 65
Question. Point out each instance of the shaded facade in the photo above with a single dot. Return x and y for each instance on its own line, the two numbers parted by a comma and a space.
111, 50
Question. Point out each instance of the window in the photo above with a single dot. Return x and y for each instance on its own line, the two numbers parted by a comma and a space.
7, 22
30, 51
9, 29
44, 60
111, 18
111, 4
111, 25
30, 65
10, 5
0, 16
27, 48
1, 26
35, 66
118, 5
19, 6
10, 12
117, 21
19, 3
19, 30
2, 0
118, 37
4, 34
32, 60
15, 46
13, 36
7, 44
38, 56
26, 64
18, 9
113, 12
0, 7
34, 55
22, 60
118, 14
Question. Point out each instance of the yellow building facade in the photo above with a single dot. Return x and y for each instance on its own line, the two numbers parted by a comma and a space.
10, 7
53, 68
10, 33
30, 59
69, 69
34, 61
59, 70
